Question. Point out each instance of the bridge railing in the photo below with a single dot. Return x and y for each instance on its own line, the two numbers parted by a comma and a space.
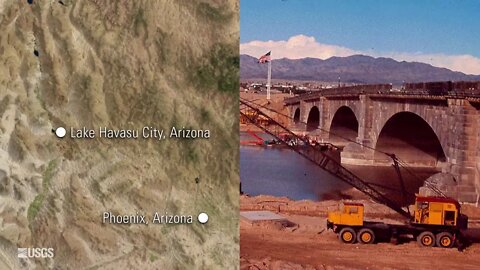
447, 89
343, 90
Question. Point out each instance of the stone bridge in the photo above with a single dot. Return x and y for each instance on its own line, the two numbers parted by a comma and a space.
424, 124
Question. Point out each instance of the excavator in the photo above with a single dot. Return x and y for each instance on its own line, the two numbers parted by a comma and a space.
436, 220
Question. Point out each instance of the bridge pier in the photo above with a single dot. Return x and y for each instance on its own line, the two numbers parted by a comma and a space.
463, 149
361, 153
324, 120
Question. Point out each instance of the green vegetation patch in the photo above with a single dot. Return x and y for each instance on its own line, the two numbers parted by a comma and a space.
219, 70
217, 14
37, 203
205, 115
48, 174
139, 21
153, 257
34, 207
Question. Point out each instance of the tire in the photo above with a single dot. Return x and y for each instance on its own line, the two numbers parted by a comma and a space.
444, 240
366, 236
347, 235
426, 239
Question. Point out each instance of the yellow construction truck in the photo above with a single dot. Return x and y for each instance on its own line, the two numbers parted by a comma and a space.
436, 221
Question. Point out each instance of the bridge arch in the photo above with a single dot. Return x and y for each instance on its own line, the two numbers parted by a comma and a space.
313, 119
296, 116
344, 123
411, 138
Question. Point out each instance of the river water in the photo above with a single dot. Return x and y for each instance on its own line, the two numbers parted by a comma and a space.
279, 171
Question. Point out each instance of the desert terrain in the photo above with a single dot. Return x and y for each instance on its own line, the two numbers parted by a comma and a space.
118, 64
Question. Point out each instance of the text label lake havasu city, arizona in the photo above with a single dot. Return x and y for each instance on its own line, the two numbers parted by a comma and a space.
145, 133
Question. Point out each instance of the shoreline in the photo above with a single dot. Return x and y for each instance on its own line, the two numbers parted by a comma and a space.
287, 206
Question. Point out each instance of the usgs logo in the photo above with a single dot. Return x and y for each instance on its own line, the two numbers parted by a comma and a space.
35, 252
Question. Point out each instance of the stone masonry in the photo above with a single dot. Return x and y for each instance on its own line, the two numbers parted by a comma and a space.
455, 122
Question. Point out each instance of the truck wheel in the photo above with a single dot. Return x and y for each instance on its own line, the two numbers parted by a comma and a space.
366, 236
445, 240
347, 235
426, 239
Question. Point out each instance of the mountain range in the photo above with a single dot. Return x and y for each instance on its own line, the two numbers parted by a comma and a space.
350, 69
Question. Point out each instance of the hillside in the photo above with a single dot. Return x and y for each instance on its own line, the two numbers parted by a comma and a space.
351, 69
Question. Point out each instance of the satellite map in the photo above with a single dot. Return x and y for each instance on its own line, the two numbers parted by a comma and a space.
119, 134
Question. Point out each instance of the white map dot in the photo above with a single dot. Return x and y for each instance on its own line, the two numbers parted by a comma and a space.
60, 132
202, 218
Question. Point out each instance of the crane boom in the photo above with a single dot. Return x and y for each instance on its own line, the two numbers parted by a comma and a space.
251, 111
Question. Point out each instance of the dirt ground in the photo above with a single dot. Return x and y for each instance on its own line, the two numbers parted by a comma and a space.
306, 244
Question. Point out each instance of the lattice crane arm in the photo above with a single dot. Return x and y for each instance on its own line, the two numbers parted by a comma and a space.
251, 112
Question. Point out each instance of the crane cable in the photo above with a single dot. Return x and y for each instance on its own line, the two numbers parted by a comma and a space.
428, 184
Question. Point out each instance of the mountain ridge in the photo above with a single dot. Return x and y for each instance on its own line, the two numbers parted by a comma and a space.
351, 69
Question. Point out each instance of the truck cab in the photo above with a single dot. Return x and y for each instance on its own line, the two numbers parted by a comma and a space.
348, 223
349, 214
438, 211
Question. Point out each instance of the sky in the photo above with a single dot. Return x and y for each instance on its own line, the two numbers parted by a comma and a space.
444, 33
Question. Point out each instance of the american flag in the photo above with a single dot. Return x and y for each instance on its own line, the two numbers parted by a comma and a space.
264, 58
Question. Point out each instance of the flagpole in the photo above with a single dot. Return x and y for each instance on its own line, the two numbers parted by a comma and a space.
269, 78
